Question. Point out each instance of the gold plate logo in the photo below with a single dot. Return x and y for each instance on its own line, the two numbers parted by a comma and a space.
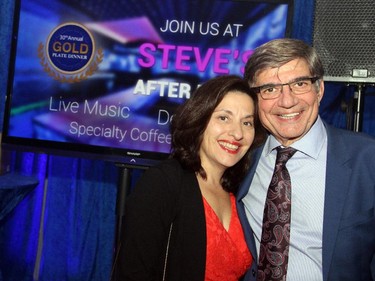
70, 53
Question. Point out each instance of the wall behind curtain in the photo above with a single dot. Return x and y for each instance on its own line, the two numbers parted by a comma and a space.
73, 238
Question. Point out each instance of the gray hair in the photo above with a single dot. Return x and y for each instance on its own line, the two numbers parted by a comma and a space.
278, 52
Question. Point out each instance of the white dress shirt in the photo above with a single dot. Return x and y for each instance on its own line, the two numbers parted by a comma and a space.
307, 169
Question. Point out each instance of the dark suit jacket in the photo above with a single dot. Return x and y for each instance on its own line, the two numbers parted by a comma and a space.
164, 194
349, 212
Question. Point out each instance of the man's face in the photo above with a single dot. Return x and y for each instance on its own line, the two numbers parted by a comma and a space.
289, 117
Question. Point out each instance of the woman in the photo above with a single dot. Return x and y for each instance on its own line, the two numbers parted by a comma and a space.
181, 220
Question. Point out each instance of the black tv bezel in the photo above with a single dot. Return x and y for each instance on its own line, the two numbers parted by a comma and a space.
133, 158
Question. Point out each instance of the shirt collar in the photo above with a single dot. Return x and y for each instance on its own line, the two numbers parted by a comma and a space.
311, 144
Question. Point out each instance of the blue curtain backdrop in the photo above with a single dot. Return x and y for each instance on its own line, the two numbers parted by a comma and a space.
65, 229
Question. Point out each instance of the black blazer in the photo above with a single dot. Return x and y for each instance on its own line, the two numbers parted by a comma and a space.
164, 194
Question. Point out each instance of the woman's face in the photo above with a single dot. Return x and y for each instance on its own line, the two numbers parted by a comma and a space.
229, 133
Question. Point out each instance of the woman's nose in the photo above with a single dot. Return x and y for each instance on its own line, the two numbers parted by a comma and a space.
236, 131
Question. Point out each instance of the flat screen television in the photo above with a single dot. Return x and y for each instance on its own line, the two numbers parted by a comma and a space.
103, 78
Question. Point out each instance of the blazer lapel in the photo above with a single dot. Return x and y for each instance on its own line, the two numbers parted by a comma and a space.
338, 175
243, 190
244, 187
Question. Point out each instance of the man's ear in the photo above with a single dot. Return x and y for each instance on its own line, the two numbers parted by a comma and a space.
321, 90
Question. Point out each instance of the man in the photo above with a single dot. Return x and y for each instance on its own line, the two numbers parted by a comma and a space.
332, 174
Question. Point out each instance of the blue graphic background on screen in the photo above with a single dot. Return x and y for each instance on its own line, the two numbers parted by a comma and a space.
120, 29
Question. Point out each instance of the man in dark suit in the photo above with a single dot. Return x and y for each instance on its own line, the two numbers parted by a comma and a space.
331, 232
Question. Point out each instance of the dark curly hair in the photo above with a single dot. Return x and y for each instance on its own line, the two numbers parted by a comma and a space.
190, 122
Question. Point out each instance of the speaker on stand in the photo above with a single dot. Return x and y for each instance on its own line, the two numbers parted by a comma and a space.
344, 38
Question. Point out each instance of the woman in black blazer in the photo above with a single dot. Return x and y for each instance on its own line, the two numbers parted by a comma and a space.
181, 221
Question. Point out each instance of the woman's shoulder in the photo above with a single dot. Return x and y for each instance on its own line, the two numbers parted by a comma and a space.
172, 165
168, 171
169, 164
167, 168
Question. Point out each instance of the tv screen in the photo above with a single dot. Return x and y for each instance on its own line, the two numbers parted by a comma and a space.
103, 78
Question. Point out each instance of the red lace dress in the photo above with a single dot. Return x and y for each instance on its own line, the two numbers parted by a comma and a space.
228, 257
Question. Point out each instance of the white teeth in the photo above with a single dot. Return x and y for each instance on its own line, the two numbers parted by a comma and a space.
289, 116
229, 145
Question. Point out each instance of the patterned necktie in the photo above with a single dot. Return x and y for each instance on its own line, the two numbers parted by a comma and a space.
274, 246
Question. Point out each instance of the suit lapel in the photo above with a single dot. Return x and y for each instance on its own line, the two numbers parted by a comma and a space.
243, 190
338, 175
244, 187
